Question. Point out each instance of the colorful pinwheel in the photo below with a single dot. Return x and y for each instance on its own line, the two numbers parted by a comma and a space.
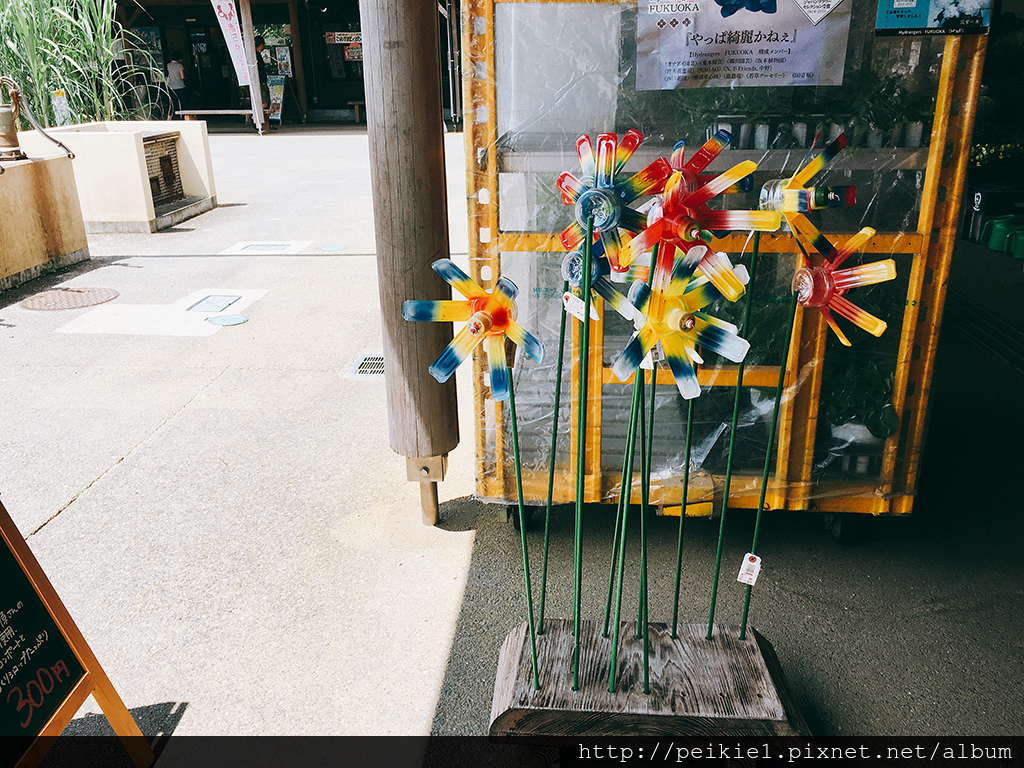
823, 286
490, 317
792, 198
672, 306
599, 196
683, 217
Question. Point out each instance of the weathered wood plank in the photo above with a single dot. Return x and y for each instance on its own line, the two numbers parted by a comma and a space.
698, 687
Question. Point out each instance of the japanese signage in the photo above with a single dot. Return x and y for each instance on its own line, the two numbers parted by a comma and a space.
38, 668
932, 17
225, 10
720, 44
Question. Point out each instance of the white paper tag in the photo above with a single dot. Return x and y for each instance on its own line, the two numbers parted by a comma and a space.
656, 355
749, 569
574, 306
816, 10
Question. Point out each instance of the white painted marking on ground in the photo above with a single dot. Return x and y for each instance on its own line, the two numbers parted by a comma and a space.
159, 319
267, 247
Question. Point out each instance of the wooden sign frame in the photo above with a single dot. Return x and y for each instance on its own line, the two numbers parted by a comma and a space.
93, 681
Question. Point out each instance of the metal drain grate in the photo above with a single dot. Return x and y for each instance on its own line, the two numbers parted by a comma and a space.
367, 367
69, 298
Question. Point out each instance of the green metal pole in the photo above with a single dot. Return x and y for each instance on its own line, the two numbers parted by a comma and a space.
682, 518
522, 529
732, 439
630, 448
551, 464
768, 455
581, 453
645, 490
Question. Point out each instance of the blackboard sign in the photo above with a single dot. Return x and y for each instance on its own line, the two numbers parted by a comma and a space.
38, 669
46, 668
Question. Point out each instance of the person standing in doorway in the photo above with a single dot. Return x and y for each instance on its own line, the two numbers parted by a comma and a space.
261, 68
176, 82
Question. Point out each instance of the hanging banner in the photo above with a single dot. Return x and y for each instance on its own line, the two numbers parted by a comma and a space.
225, 10
722, 44
933, 17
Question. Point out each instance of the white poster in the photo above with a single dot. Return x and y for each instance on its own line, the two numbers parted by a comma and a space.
225, 10
725, 44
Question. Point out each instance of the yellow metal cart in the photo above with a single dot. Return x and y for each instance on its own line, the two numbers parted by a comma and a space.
808, 473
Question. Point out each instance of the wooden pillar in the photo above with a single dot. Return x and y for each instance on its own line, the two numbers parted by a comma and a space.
249, 39
299, 73
404, 125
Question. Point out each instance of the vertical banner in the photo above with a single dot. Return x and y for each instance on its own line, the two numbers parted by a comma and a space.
225, 10
722, 44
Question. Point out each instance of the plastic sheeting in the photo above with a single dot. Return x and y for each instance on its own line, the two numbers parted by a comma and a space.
564, 69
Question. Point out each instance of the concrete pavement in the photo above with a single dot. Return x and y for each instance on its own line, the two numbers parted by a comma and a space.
226, 522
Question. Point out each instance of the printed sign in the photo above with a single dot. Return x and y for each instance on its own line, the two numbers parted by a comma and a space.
225, 10
724, 45
354, 52
284, 61
275, 83
933, 17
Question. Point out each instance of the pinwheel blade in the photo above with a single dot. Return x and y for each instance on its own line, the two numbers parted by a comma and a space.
865, 274
684, 268
497, 367
835, 327
863, 320
632, 220
606, 144
808, 236
436, 311
648, 181
457, 279
678, 156
683, 369
572, 236
506, 288
613, 249
719, 184
585, 152
626, 148
808, 171
851, 246
744, 185
453, 355
712, 148
526, 341
762, 221
636, 350
718, 269
643, 242
570, 187
719, 337
615, 300
640, 296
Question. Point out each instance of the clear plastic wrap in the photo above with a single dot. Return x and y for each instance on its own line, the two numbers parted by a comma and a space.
553, 71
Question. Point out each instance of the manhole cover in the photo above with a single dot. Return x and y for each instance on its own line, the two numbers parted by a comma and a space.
367, 366
69, 298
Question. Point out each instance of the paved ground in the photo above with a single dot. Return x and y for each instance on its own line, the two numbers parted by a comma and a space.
225, 520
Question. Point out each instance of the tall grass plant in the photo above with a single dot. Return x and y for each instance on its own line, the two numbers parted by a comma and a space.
77, 47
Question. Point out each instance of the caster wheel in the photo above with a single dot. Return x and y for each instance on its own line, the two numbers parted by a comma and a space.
512, 513
847, 527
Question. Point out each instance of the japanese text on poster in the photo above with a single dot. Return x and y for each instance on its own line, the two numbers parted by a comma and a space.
717, 44
225, 10
932, 17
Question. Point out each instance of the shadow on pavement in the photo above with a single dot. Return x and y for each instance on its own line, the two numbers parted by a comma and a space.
915, 631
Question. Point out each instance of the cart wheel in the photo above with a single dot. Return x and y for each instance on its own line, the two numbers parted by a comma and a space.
512, 513
847, 527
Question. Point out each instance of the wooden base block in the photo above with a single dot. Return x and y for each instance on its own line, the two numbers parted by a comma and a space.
698, 687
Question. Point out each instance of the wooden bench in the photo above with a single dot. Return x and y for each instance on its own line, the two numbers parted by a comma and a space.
356, 105
190, 114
